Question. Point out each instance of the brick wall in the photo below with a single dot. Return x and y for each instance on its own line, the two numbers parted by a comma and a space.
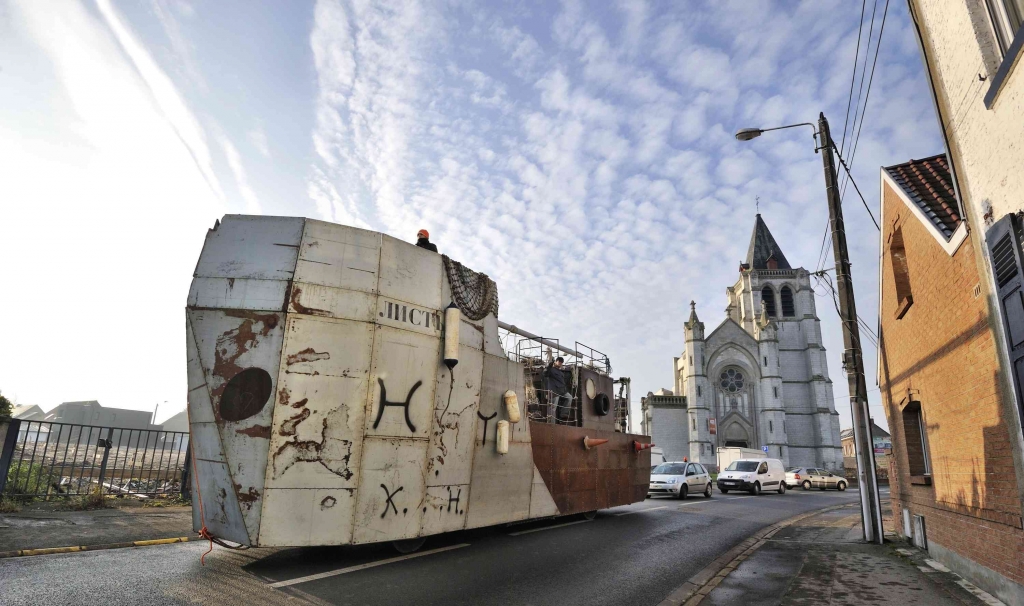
944, 352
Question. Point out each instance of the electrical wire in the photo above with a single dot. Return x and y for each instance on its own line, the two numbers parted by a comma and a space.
867, 96
853, 76
864, 69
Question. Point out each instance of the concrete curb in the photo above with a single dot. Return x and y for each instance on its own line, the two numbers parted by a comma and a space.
52, 550
697, 587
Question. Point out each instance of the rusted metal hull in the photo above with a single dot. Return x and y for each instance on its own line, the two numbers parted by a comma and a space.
322, 412
581, 480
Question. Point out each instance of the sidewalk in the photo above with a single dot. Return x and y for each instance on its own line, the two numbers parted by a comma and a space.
47, 529
822, 559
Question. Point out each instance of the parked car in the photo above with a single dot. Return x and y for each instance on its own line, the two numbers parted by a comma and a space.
679, 480
814, 477
753, 475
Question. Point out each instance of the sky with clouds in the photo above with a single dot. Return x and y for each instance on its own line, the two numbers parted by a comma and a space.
579, 153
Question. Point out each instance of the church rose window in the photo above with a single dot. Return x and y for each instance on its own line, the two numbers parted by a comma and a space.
731, 381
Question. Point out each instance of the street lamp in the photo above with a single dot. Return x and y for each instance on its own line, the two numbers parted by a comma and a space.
853, 361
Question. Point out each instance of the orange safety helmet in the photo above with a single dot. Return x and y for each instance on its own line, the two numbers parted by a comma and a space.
423, 234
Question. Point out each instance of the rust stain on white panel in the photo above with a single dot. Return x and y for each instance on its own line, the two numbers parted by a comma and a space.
444, 509
541, 503
260, 247
389, 500
238, 343
339, 256
450, 457
409, 273
330, 302
318, 417
238, 293
501, 484
307, 516
402, 384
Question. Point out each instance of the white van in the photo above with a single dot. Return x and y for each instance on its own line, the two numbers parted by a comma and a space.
753, 475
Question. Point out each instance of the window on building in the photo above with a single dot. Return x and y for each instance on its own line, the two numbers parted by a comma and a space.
1007, 16
900, 273
771, 429
733, 404
698, 391
707, 424
766, 360
788, 309
731, 380
695, 424
775, 390
915, 437
768, 296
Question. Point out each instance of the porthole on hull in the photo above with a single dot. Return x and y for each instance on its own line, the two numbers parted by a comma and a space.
246, 394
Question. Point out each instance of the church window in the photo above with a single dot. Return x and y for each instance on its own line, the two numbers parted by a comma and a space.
770, 428
707, 424
733, 404
788, 309
698, 391
695, 424
766, 360
691, 360
769, 300
776, 391
731, 380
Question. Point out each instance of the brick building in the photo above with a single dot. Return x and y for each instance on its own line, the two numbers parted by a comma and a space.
954, 484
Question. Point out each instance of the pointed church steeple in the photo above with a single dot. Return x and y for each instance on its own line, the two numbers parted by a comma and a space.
764, 251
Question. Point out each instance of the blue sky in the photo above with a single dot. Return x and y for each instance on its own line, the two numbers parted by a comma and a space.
579, 153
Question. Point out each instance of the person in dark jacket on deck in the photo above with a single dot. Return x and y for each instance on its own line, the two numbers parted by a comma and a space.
423, 240
558, 386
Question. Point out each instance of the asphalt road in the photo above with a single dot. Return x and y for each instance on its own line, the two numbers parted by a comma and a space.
634, 555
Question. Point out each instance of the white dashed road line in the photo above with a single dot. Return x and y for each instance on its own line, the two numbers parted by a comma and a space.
333, 573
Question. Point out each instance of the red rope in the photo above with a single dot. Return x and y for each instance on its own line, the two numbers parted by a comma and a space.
203, 532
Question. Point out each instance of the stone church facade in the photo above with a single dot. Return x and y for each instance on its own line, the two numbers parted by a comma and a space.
760, 377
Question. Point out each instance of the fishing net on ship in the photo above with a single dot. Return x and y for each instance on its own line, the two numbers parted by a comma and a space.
475, 294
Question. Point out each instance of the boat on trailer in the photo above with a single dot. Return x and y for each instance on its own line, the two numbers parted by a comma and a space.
346, 387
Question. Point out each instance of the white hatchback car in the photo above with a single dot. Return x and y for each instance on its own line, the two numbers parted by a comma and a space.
753, 475
679, 480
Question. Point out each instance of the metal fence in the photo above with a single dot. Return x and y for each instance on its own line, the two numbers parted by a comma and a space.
50, 459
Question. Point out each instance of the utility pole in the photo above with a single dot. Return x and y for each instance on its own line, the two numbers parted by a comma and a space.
853, 360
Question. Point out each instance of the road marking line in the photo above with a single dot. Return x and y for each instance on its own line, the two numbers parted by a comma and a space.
332, 573
516, 534
629, 513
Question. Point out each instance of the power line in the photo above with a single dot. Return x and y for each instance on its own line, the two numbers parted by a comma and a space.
867, 96
864, 70
853, 76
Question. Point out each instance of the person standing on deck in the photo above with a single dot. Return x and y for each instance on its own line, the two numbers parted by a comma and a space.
423, 240
556, 381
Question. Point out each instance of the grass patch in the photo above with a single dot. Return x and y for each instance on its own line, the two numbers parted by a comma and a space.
9, 505
92, 500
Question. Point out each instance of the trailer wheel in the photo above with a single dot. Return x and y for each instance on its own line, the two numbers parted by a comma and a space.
408, 545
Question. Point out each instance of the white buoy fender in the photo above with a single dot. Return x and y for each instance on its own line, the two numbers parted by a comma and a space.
502, 440
512, 406
452, 319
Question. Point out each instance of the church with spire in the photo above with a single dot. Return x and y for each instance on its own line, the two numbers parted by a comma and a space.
759, 379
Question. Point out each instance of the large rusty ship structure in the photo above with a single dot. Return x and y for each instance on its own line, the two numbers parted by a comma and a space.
346, 387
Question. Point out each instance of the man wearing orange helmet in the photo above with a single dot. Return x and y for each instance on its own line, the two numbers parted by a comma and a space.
423, 240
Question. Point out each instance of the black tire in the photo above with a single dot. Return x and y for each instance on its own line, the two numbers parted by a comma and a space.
806, 485
707, 493
408, 545
723, 490
589, 515
782, 488
756, 489
841, 486
682, 492
602, 405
